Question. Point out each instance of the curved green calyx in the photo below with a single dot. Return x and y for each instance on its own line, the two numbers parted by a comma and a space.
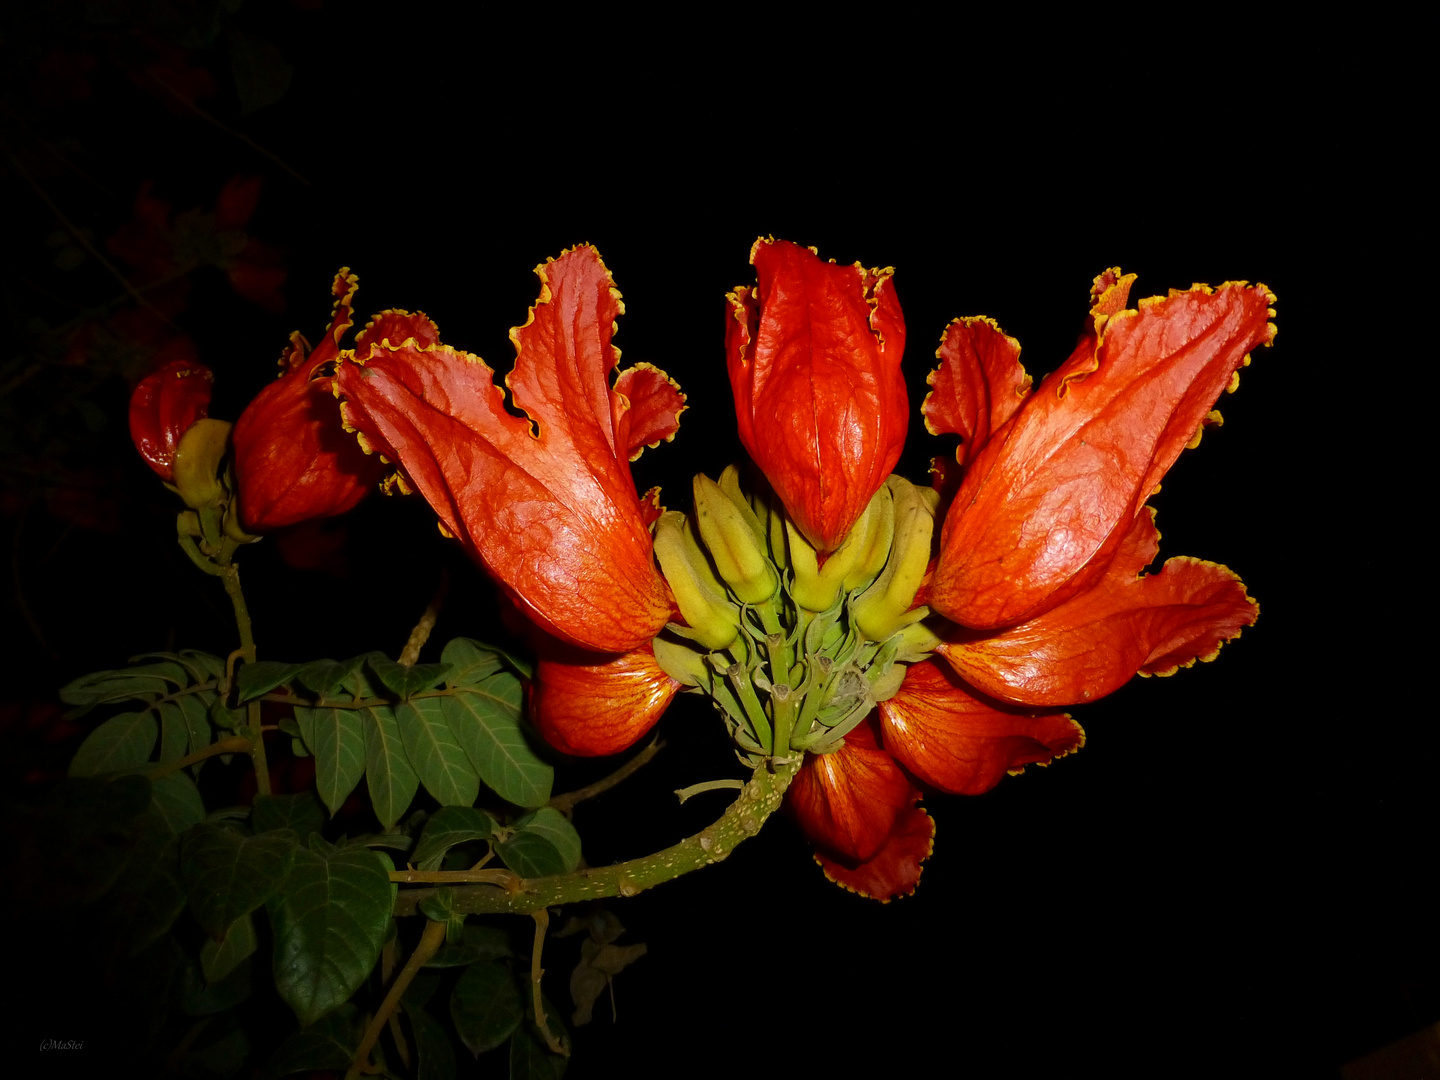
794, 653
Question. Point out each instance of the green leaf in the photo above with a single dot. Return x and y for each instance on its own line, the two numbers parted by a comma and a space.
174, 736
330, 920
253, 680
478, 941
470, 661
147, 897
486, 723
221, 1050
436, 755
229, 875
301, 812
222, 716
486, 1005
329, 1043
388, 773
200, 666
432, 1044
448, 826
176, 801
390, 841
122, 742
196, 710
530, 1058
203, 997
262, 74
543, 843
337, 739
219, 958
146, 682
405, 681
421, 989
328, 677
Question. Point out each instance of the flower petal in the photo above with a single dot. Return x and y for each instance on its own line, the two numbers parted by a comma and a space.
293, 460
591, 705
964, 744
1044, 505
977, 387
814, 358
1093, 643
850, 801
547, 502
647, 405
894, 870
163, 407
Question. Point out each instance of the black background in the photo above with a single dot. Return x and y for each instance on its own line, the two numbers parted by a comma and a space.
1228, 879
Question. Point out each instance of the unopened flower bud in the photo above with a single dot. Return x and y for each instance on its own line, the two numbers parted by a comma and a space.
854, 564
737, 550
197, 462
885, 607
702, 600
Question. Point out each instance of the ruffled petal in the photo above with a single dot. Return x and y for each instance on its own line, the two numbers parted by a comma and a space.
647, 405
1093, 643
293, 460
977, 387
544, 501
591, 705
814, 360
849, 802
894, 870
1044, 505
964, 744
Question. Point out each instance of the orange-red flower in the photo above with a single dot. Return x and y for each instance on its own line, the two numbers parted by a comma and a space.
544, 501
814, 358
293, 460
1037, 599
163, 406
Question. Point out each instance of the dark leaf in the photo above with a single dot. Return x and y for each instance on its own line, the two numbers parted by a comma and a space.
253, 680
301, 812
329, 1043
388, 774
447, 827
435, 753
404, 681
229, 875
262, 74
486, 1005
330, 920
337, 739
478, 941
543, 843
470, 662
122, 742
486, 722
218, 958
432, 1045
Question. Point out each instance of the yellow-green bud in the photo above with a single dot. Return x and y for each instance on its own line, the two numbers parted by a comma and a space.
681, 663
713, 619
884, 608
730, 485
739, 555
197, 462
853, 565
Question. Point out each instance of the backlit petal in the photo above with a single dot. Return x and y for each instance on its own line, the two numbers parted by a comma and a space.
1044, 505
545, 501
977, 387
1093, 643
591, 705
894, 870
958, 742
814, 358
163, 407
849, 802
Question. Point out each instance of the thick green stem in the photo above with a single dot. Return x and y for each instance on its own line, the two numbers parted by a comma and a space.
759, 798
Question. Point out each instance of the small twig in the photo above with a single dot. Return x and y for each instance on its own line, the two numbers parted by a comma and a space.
231, 744
421, 634
709, 785
198, 111
430, 941
506, 878
90, 249
566, 802
542, 923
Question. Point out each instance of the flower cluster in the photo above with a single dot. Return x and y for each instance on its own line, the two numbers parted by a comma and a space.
818, 605
894, 635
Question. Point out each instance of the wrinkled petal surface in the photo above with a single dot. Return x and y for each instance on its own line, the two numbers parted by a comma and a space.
1095, 642
164, 406
591, 705
545, 501
1046, 502
894, 870
964, 744
849, 802
293, 459
979, 384
814, 358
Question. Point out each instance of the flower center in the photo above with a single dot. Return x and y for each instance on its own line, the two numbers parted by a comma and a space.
793, 647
